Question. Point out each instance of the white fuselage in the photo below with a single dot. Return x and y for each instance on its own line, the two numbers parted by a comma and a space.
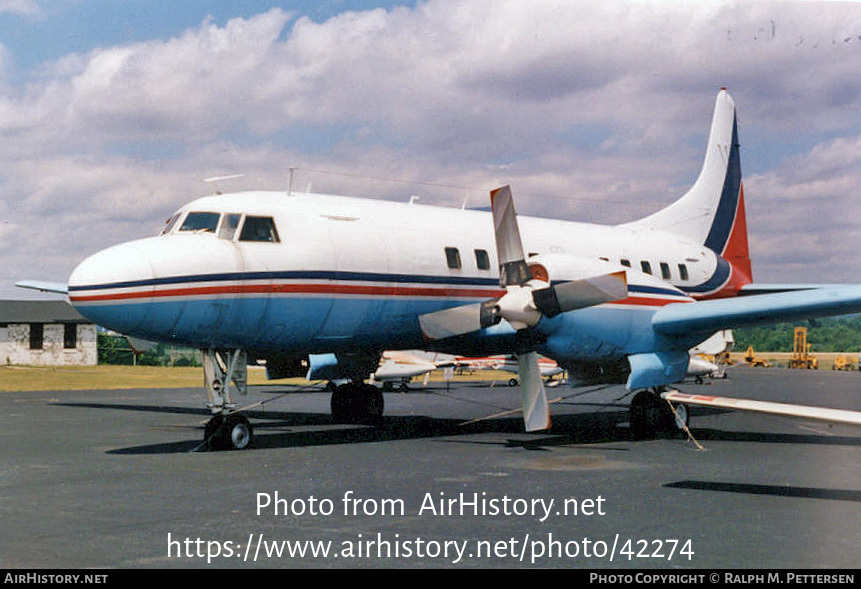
337, 272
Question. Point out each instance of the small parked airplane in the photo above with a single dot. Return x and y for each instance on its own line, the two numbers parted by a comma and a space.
509, 363
283, 275
395, 367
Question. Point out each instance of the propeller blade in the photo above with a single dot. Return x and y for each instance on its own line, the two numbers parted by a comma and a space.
579, 294
459, 320
509, 247
536, 413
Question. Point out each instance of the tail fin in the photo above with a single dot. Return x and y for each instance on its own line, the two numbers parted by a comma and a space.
712, 211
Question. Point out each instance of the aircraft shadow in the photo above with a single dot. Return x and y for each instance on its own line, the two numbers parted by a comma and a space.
580, 429
278, 429
716, 435
773, 490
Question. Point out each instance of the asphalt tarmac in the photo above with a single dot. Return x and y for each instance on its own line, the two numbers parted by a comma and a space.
110, 479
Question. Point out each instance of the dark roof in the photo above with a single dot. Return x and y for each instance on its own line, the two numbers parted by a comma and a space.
39, 312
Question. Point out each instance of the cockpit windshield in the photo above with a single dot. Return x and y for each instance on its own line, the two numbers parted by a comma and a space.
200, 222
227, 225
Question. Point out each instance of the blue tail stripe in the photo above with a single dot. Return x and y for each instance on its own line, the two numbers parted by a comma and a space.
728, 204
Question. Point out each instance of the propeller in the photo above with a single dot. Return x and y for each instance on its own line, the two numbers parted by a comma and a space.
526, 300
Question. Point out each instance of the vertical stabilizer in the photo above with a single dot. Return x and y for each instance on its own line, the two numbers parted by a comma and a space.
712, 211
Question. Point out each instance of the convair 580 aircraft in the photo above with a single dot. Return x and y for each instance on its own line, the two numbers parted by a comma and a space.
283, 276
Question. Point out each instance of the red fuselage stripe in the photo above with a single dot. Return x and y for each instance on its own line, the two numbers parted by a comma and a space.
337, 289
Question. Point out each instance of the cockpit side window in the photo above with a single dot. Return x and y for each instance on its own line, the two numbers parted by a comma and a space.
259, 229
170, 224
200, 222
228, 226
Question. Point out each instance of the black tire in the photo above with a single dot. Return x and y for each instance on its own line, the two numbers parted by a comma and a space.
649, 417
513, 382
212, 433
238, 432
342, 404
371, 403
228, 432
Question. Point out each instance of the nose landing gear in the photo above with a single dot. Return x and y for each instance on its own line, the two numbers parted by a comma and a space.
225, 371
230, 431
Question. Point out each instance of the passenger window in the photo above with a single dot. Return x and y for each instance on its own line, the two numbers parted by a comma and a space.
665, 271
205, 222
452, 257
646, 267
259, 229
228, 226
625, 263
683, 271
482, 260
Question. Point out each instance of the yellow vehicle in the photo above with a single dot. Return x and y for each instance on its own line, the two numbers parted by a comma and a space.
752, 360
801, 356
843, 363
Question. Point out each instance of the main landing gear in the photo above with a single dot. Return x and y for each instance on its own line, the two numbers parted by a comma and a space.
357, 403
650, 416
224, 372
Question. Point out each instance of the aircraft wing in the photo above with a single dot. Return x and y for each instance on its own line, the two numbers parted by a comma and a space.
57, 287
709, 316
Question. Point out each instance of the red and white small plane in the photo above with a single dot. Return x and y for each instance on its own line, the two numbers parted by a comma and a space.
281, 276
547, 367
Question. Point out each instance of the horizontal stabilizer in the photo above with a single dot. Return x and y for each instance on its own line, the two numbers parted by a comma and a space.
818, 413
57, 287
680, 319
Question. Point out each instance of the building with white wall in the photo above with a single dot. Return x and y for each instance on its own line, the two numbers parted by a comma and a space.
45, 333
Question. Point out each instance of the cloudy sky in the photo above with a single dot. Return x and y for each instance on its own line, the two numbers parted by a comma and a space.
112, 113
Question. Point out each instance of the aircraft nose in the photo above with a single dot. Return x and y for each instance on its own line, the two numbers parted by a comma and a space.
104, 287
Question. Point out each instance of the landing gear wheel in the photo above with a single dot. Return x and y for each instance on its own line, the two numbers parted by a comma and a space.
650, 416
372, 404
342, 404
357, 404
228, 432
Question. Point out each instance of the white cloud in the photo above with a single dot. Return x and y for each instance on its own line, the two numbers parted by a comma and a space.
592, 111
21, 7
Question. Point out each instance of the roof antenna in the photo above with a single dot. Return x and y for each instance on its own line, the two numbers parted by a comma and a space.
216, 179
290, 183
